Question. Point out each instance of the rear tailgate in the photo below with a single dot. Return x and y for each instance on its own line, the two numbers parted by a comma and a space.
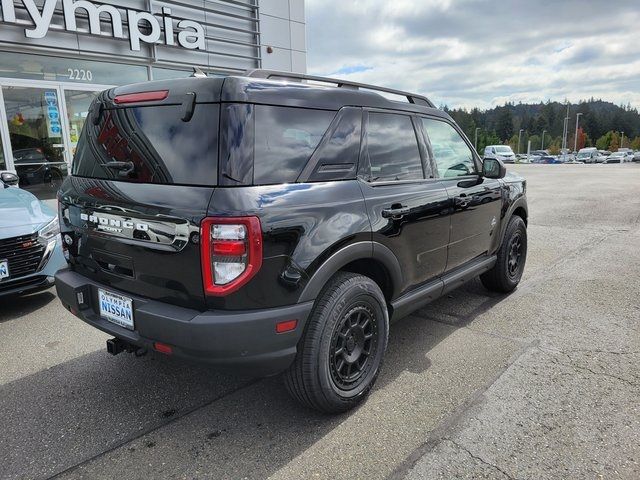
143, 175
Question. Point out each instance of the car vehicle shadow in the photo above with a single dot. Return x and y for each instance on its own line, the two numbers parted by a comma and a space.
16, 306
157, 408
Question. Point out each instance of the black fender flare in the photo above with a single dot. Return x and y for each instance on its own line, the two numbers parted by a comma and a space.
346, 255
519, 202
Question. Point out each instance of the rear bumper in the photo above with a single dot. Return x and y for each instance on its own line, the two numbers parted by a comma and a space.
241, 341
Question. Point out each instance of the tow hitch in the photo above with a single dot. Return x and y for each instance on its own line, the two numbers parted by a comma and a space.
117, 345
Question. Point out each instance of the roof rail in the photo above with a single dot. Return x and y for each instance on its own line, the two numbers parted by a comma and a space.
270, 74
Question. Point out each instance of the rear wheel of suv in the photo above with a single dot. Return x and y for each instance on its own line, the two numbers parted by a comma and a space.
507, 272
340, 354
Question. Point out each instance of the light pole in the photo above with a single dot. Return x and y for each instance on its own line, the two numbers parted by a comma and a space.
542, 146
519, 138
476, 139
564, 135
575, 143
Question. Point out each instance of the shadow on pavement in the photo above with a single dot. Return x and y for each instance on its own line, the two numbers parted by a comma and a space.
77, 410
15, 306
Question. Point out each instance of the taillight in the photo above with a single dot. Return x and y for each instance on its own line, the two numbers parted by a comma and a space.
231, 252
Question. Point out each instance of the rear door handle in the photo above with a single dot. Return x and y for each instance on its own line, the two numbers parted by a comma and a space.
395, 212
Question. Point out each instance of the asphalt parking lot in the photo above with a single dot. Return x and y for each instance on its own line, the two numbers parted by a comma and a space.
543, 383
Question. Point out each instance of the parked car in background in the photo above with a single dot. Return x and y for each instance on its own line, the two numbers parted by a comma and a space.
30, 244
522, 158
566, 156
619, 157
550, 159
501, 152
588, 155
39, 172
636, 156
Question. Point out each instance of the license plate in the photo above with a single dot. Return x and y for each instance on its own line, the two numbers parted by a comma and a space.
4, 269
116, 308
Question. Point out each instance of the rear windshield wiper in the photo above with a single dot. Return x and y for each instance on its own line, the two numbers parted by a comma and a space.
123, 168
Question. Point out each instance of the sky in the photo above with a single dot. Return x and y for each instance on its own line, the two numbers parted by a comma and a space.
481, 53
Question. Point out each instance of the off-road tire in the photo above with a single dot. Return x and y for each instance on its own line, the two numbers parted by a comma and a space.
503, 277
317, 378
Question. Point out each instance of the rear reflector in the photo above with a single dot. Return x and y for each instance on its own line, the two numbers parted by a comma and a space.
163, 348
286, 326
229, 248
142, 97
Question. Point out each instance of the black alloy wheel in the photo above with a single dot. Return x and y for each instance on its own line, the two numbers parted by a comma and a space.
515, 254
353, 347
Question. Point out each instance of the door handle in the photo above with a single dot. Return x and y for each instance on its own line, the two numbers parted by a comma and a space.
396, 212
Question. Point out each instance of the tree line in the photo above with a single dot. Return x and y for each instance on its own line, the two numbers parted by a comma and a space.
602, 124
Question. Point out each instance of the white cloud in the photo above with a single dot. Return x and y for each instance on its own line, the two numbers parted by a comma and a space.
481, 53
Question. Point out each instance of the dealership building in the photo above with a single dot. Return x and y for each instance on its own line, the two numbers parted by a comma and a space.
56, 55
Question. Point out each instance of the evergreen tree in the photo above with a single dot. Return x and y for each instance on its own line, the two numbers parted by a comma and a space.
505, 125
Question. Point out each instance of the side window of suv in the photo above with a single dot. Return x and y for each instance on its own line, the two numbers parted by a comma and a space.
393, 148
453, 156
285, 138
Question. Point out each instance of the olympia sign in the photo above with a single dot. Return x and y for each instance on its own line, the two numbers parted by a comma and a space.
143, 26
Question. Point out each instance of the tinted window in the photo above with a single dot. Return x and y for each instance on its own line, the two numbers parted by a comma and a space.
337, 157
161, 147
236, 149
453, 156
393, 148
285, 139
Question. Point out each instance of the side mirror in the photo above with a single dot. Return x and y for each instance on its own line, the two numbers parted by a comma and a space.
493, 168
9, 179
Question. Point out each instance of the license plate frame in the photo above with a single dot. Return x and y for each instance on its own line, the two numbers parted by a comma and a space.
4, 269
116, 308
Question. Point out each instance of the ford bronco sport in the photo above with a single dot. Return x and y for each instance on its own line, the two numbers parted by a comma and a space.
276, 222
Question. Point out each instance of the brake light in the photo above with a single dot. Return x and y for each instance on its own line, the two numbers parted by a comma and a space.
231, 252
142, 97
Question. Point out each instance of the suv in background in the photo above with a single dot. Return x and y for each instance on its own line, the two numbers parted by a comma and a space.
501, 152
265, 224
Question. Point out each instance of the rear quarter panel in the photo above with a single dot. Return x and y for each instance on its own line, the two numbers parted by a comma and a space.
302, 225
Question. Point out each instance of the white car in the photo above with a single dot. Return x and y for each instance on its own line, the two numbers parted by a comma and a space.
501, 152
619, 157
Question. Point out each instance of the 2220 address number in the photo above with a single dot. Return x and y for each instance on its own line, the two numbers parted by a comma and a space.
80, 74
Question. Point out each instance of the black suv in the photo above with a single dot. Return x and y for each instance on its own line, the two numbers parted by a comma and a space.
276, 222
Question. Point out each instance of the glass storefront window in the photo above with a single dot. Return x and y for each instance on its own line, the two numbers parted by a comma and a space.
169, 73
35, 133
78, 103
40, 67
3, 163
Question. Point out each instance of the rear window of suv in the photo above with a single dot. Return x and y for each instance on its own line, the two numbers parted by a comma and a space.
161, 147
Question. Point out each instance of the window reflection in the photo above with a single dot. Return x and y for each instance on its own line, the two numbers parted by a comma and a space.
35, 133
452, 155
160, 146
393, 148
285, 139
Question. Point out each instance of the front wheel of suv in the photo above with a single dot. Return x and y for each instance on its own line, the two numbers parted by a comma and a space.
512, 255
341, 352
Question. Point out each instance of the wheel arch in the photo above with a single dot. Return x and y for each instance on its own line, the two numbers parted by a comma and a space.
518, 208
371, 259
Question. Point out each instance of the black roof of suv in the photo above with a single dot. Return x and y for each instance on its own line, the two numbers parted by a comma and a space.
274, 222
